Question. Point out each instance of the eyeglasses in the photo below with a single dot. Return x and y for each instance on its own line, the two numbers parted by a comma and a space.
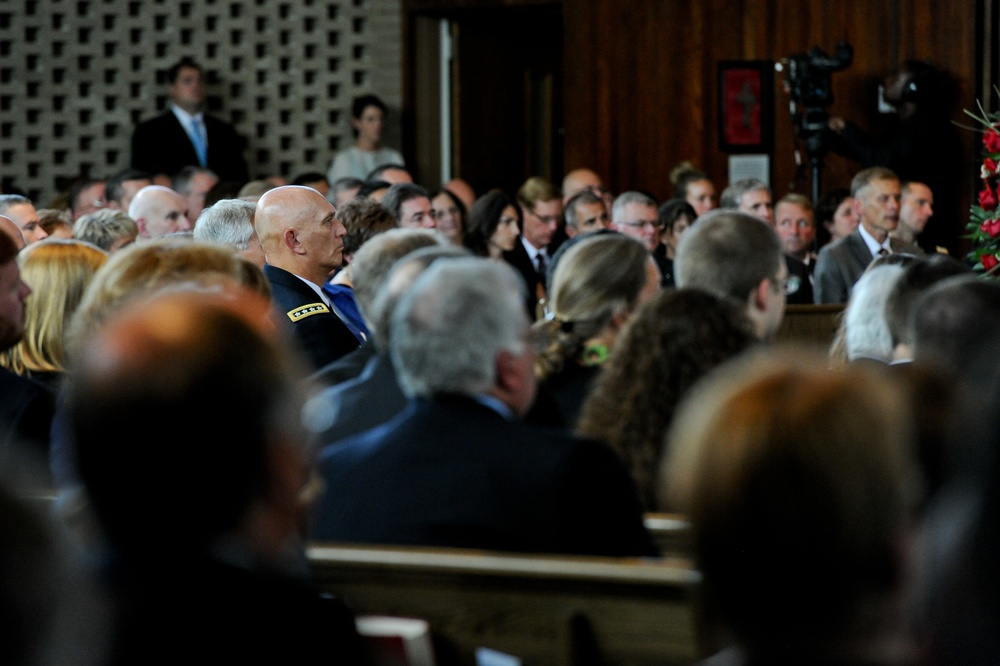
547, 219
639, 224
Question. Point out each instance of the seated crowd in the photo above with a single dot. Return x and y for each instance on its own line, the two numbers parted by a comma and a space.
208, 375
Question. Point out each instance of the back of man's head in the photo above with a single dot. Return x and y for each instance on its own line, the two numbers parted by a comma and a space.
728, 253
453, 322
730, 197
955, 325
374, 261
916, 278
400, 193
185, 487
229, 222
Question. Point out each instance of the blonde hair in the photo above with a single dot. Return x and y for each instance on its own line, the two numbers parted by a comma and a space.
153, 266
597, 278
58, 271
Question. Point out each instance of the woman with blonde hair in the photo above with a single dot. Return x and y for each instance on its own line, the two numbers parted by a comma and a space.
58, 271
597, 283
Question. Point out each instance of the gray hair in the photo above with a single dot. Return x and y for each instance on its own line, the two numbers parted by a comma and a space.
630, 197
866, 330
452, 323
228, 222
581, 198
731, 196
104, 227
374, 261
9, 200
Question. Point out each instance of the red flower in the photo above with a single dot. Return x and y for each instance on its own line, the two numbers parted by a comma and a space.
991, 139
989, 168
989, 261
990, 227
987, 198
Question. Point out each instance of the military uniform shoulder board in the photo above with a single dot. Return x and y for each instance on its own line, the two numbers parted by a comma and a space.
307, 310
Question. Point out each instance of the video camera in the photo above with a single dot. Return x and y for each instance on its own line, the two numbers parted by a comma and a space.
809, 82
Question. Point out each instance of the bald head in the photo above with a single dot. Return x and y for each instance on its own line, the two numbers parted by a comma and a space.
462, 190
8, 226
580, 179
158, 211
299, 232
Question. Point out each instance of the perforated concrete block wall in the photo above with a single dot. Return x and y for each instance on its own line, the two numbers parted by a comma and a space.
77, 75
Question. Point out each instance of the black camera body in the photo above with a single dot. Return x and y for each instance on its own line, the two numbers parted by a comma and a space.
809, 77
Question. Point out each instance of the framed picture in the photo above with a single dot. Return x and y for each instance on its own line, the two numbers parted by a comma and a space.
746, 106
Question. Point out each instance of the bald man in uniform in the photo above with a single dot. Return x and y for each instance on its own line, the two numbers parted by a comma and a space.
304, 244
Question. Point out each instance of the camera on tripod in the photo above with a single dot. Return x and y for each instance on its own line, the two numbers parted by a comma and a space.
809, 82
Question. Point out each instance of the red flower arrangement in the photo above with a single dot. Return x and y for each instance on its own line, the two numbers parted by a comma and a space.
984, 218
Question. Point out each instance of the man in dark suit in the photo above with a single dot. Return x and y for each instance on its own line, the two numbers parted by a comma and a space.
457, 467
303, 243
26, 407
876, 193
185, 135
542, 208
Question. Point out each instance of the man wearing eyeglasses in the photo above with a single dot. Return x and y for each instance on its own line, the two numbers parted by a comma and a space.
634, 214
542, 209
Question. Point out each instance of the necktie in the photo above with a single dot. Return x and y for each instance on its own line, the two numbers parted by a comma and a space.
540, 257
882, 252
198, 139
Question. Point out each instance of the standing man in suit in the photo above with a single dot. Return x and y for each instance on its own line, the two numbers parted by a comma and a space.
303, 243
458, 467
542, 208
187, 136
840, 264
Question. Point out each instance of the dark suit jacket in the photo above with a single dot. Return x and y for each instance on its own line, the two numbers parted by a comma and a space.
175, 610
322, 336
361, 403
346, 367
803, 294
519, 259
452, 472
26, 412
162, 145
841, 263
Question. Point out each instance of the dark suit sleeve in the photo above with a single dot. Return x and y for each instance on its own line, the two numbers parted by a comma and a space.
828, 280
600, 506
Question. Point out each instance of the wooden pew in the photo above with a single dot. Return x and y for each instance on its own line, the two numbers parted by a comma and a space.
545, 610
810, 324
671, 533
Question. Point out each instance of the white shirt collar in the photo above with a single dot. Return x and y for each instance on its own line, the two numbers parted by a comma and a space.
873, 245
533, 251
186, 117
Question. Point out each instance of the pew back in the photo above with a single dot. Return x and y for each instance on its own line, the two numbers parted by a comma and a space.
545, 610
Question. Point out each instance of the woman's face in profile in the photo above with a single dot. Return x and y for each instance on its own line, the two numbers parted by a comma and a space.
845, 220
701, 196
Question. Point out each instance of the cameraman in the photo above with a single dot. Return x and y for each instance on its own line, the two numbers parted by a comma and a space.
919, 144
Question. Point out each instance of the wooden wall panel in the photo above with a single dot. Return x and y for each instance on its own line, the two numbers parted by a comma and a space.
640, 78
